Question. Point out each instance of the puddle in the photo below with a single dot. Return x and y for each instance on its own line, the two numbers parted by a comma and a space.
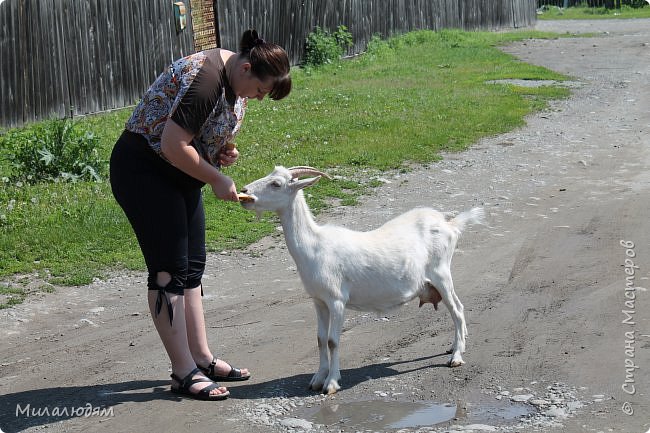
495, 413
380, 414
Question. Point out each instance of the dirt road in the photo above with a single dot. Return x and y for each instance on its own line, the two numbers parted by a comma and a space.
557, 310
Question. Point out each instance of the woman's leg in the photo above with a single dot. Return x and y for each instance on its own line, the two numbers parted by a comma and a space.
194, 315
174, 335
156, 212
195, 323
197, 336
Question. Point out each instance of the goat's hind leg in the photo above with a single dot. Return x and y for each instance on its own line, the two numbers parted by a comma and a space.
461, 308
445, 286
323, 318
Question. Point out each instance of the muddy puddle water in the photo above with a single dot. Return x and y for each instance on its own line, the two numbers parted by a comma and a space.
378, 414
382, 415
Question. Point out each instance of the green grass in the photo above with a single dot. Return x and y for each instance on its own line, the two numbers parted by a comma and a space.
10, 296
403, 102
590, 13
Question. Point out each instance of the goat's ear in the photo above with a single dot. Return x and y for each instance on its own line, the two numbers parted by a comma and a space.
304, 183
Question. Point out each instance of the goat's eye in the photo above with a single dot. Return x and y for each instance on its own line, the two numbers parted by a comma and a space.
276, 184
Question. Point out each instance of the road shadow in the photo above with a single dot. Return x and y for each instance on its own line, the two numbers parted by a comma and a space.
297, 386
39, 407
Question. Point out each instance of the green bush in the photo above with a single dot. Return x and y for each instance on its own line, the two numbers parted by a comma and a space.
53, 150
322, 47
377, 48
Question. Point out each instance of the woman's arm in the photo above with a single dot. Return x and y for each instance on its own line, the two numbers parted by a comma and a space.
177, 148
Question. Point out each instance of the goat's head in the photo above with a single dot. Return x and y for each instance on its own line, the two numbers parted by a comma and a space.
277, 190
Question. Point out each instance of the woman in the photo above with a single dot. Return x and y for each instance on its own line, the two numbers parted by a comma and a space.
176, 140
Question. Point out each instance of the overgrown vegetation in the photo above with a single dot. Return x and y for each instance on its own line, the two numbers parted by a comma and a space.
322, 47
57, 150
403, 101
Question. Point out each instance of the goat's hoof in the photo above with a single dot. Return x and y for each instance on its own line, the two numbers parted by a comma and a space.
316, 387
455, 362
317, 381
331, 388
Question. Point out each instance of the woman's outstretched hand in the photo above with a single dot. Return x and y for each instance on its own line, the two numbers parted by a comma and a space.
224, 188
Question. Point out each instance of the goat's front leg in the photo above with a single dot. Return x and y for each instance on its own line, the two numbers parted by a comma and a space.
337, 315
323, 318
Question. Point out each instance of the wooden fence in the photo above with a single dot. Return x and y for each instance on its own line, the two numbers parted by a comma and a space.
288, 22
63, 58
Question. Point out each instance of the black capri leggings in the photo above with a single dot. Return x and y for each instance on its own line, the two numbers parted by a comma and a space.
165, 209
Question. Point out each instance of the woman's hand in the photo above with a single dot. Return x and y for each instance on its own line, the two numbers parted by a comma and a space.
224, 188
177, 148
228, 155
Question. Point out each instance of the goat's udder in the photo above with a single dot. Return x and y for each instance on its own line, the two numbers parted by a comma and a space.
430, 295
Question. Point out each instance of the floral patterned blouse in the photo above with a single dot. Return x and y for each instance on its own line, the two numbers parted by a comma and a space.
194, 92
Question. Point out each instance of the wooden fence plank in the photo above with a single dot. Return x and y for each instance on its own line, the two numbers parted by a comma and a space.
11, 110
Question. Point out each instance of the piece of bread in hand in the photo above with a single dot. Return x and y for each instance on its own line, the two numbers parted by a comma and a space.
245, 197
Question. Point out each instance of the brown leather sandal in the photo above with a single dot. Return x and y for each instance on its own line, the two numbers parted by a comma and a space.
203, 394
235, 374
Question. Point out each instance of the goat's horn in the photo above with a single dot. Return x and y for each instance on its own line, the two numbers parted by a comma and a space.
304, 170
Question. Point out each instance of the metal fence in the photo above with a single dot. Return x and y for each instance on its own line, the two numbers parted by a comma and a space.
63, 58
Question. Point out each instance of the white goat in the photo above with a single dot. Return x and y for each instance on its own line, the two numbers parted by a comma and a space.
406, 258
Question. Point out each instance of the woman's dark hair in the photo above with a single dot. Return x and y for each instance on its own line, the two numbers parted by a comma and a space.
267, 60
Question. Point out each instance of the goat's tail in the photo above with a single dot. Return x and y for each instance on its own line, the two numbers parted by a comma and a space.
473, 216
